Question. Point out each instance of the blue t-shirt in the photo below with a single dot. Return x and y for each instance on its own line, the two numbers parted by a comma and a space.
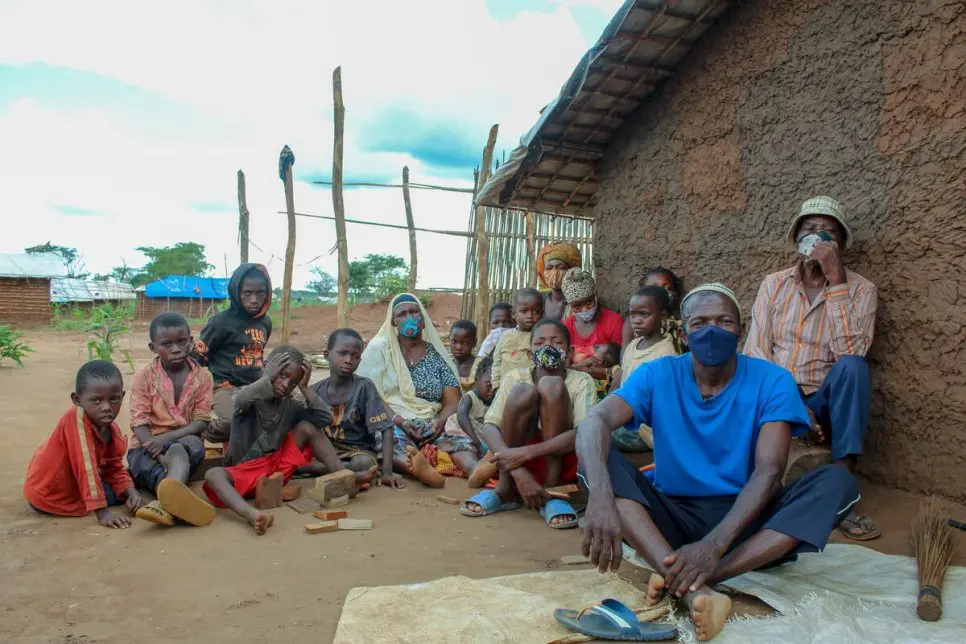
707, 447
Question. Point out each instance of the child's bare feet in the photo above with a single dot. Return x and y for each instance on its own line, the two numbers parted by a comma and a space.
261, 521
655, 590
709, 612
422, 470
483, 472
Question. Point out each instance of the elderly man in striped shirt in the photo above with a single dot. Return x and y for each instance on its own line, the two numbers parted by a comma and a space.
817, 319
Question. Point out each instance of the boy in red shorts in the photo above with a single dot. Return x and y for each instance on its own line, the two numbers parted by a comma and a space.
271, 432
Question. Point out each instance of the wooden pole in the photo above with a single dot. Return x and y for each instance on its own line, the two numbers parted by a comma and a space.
531, 280
338, 204
286, 160
412, 229
242, 218
482, 305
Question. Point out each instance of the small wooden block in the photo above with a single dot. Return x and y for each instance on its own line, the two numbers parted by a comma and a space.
330, 515
573, 560
563, 491
559, 495
268, 492
442, 498
355, 524
341, 483
324, 526
337, 502
303, 505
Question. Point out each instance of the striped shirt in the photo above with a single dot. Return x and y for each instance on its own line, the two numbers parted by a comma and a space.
808, 337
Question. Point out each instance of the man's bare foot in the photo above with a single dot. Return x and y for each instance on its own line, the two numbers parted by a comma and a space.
261, 521
655, 590
483, 472
422, 470
363, 479
709, 612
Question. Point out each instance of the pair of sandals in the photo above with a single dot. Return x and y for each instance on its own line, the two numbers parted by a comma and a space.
557, 513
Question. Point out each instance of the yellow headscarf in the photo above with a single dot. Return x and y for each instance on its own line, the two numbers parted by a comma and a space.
563, 251
384, 364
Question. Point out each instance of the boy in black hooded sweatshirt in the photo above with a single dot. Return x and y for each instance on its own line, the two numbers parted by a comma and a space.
232, 344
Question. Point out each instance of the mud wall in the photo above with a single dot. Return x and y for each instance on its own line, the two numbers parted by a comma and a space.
862, 100
24, 299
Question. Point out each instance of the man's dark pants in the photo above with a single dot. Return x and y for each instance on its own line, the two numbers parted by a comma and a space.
807, 510
841, 405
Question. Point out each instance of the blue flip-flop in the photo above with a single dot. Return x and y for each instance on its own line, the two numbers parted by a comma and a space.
489, 501
611, 620
555, 508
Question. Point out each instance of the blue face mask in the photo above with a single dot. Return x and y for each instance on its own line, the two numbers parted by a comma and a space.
712, 345
410, 326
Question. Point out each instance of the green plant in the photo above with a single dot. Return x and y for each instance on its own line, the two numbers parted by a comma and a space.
106, 326
69, 318
426, 298
11, 346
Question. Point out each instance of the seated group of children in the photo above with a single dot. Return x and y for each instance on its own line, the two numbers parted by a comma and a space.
525, 428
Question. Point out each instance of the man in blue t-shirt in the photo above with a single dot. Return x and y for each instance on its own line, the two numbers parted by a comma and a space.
715, 507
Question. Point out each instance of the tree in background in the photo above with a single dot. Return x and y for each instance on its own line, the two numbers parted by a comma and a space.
72, 260
124, 274
184, 258
324, 285
378, 276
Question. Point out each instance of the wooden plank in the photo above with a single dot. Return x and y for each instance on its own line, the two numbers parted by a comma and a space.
483, 241
338, 203
290, 248
355, 524
322, 527
242, 218
412, 229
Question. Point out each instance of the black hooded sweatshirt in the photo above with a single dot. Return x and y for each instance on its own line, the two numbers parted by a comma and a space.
232, 344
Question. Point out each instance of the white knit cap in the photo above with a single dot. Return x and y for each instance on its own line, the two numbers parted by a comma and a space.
713, 287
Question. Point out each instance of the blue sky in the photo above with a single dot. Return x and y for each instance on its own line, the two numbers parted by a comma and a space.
124, 126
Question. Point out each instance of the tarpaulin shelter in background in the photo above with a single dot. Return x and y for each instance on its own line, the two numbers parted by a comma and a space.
193, 297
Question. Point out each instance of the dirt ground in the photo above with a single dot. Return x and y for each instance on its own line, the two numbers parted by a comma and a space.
70, 580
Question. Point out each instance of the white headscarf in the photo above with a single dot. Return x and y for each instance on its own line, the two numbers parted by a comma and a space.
384, 364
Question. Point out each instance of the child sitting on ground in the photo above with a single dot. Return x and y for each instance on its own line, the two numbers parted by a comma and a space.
462, 341
501, 319
529, 428
468, 421
79, 469
649, 308
272, 433
170, 408
513, 348
360, 425
232, 344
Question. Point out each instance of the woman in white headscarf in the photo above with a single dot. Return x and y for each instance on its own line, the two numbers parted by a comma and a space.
419, 382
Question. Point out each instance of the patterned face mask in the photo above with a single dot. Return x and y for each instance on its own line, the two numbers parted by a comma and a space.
549, 357
588, 315
410, 326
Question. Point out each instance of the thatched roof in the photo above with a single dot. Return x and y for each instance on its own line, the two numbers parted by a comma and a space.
554, 169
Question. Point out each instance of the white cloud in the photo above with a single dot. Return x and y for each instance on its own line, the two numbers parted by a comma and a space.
264, 71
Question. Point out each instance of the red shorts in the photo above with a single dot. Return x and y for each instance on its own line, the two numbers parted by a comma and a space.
245, 475
538, 466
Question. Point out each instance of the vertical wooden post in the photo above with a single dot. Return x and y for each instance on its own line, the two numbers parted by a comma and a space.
338, 204
531, 280
482, 305
286, 160
242, 218
412, 230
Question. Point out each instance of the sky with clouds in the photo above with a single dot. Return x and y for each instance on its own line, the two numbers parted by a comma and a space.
123, 124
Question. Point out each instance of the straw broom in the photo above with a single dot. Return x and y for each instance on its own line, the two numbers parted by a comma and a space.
932, 545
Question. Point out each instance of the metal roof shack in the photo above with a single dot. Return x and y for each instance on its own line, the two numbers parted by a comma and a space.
66, 289
44, 265
554, 169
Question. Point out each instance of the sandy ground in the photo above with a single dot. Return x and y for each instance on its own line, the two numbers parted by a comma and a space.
70, 580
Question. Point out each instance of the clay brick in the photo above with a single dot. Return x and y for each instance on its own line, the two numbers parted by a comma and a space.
574, 560
331, 486
355, 524
268, 492
330, 515
291, 492
324, 526
337, 502
303, 505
